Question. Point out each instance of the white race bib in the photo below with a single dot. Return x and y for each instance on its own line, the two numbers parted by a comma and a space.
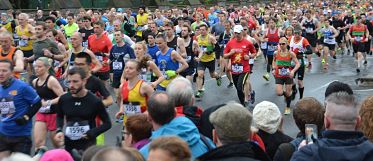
45, 109
309, 30
358, 38
284, 72
329, 40
117, 65
188, 59
23, 42
132, 109
272, 47
237, 68
7, 107
75, 131
251, 61
263, 45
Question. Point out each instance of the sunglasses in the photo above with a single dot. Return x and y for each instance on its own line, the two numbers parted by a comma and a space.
282, 43
245, 29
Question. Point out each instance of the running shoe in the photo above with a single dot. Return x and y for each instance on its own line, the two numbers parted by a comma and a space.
323, 61
199, 94
218, 81
357, 70
266, 76
287, 111
252, 97
203, 88
365, 62
318, 54
334, 57
309, 65
230, 85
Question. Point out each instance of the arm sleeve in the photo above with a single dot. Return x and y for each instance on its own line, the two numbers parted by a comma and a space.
60, 115
106, 122
132, 53
103, 90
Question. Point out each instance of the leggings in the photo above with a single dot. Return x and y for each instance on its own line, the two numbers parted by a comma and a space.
269, 63
239, 81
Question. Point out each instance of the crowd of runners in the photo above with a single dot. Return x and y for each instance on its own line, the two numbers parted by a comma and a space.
60, 68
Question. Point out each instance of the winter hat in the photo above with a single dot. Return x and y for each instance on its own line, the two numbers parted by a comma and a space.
267, 117
56, 155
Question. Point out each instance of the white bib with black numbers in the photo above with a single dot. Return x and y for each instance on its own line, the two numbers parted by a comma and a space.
132, 108
7, 106
76, 130
284, 72
117, 65
237, 68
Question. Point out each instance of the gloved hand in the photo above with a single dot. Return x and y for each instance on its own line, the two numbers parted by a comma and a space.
170, 74
22, 120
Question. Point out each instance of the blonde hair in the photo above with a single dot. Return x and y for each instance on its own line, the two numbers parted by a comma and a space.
47, 62
24, 15
366, 114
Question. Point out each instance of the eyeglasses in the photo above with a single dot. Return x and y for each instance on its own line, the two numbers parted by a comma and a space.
282, 43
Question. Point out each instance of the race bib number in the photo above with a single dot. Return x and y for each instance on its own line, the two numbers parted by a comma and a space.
272, 47
358, 38
7, 106
45, 109
263, 45
309, 30
23, 42
132, 108
284, 72
117, 65
75, 131
100, 58
85, 43
237, 68
251, 61
328, 40
204, 49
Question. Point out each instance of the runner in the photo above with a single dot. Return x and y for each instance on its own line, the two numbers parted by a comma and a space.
79, 108
206, 58
70, 28
134, 91
87, 30
19, 103
49, 90
7, 51
239, 50
310, 26
329, 34
271, 37
173, 41
168, 62
223, 40
100, 44
192, 49
358, 35
300, 46
284, 72
142, 20
152, 47
119, 55
25, 34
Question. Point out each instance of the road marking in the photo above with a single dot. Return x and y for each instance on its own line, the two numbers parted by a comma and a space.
364, 90
325, 85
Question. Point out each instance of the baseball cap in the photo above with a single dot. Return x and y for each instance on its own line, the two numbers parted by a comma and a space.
237, 28
232, 121
267, 117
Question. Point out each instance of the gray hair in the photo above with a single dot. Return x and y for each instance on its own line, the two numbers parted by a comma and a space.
181, 91
24, 15
343, 110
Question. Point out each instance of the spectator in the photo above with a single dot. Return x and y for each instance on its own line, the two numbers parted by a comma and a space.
307, 111
341, 141
267, 118
366, 114
56, 155
169, 149
91, 151
161, 113
137, 131
232, 132
18, 157
113, 154
136, 154
338, 86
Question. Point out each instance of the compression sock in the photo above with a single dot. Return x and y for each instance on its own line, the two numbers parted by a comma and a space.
301, 93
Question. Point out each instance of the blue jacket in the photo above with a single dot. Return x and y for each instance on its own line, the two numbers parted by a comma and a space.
337, 146
186, 130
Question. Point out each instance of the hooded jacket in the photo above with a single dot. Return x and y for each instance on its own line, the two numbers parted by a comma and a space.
246, 151
337, 146
186, 130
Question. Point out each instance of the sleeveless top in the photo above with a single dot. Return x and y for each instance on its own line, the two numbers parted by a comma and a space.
47, 94
24, 45
190, 54
166, 63
283, 65
310, 26
173, 43
10, 57
133, 101
273, 40
328, 33
206, 46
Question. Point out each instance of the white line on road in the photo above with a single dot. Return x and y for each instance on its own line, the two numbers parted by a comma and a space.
364, 90
321, 87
